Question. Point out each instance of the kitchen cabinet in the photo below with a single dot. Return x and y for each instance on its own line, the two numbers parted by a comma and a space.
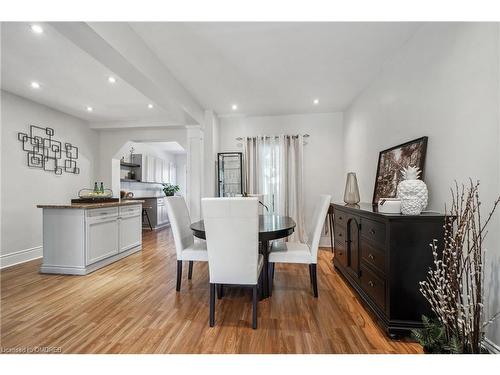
172, 171
165, 173
159, 170
101, 234
162, 216
78, 240
152, 169
130, 232
157, 212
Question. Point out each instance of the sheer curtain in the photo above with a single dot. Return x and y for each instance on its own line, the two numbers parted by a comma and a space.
273, 167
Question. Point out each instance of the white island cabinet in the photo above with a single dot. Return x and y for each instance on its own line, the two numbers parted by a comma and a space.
80, 238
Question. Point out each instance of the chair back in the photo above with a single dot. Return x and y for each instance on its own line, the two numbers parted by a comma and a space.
232, 233
318, 219
180, 222
260, 197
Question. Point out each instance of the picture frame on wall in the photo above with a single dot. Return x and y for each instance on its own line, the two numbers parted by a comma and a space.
390, 163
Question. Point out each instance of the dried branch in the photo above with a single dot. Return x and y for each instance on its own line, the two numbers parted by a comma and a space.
454, 286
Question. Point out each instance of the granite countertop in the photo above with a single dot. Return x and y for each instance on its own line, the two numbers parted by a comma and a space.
92, 205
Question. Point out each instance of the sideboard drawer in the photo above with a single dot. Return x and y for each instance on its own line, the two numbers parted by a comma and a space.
373, 285
340, 234
340, 253
373, 231
373, 256
340, 218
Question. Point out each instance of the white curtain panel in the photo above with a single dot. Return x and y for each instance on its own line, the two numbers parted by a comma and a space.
274, 168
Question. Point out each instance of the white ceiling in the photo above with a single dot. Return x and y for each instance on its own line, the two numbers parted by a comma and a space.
70, 79
264, 68
274, 68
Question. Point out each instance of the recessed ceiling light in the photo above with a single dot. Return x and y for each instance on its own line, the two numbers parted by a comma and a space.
150, 106
111, 79
316, 101
35, 85
90, 109
234, 107
37, 29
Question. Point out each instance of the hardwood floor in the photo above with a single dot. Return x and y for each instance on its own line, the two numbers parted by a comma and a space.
131, 306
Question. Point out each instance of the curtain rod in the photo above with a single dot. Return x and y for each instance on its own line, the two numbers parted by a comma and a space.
275, 136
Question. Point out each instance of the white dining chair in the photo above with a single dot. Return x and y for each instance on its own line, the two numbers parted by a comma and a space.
232, 232
260, 197
186, 247
305, 253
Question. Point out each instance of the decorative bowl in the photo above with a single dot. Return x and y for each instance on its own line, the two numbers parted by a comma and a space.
91, 194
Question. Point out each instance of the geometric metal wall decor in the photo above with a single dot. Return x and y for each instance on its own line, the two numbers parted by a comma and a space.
44, 152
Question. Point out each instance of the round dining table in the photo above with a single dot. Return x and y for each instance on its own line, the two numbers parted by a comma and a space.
271, 227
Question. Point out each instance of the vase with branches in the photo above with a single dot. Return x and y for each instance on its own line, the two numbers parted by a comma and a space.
455, 283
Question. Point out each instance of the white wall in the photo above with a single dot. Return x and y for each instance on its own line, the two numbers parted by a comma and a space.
323, 154
444, 83
23, 188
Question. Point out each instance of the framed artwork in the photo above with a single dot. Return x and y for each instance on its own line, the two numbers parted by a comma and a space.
392, 161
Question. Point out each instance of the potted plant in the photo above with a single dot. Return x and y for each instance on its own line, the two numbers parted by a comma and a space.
455, 283
170, 189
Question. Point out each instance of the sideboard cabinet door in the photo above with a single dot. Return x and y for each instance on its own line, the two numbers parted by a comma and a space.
353, 245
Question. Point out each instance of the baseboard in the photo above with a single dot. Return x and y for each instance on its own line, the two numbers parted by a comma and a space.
21, 256
85, 270
491, 346
325, 242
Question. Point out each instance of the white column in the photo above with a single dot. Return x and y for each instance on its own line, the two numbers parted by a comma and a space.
210, 149
194, 171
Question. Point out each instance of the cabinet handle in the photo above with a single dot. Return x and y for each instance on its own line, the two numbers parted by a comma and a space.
372, 231
371, 283
340, 234
340, 217
371, 256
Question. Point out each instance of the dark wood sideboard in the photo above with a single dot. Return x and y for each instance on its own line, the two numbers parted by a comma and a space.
384, 257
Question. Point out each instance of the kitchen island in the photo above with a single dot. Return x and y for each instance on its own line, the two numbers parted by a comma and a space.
80, 238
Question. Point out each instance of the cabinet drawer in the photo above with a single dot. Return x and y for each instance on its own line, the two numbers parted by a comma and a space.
375, 257
130, 210
102, 213
373, 286
340, 234
373, 231
340, 253
340, 218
